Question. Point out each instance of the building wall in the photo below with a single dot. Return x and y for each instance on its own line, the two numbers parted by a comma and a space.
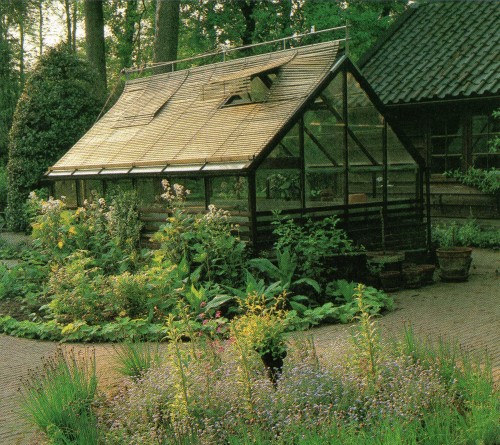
451, 136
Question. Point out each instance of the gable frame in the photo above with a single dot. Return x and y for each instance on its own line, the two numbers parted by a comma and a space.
343, 64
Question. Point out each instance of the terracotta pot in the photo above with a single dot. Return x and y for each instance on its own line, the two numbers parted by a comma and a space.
454, 263
391, 280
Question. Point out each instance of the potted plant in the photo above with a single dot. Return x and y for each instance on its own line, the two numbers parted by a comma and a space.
454, 261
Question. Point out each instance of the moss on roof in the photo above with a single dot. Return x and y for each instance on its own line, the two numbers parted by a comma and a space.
438, 50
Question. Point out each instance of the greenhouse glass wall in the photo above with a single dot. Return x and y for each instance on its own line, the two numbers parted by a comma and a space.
332, 153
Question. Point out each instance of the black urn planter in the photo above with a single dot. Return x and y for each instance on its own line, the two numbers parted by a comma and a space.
454, 263
273, 365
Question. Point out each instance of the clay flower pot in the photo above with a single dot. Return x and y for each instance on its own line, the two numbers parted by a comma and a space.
454, 263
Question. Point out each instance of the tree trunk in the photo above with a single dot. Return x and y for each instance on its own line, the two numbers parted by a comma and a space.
94, 38
40, 26
68, 22
21, 51
127, 46
166, 32
247, 8
74, 19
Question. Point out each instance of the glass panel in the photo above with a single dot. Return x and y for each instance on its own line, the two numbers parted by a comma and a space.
323, 139
487, 161
66, 189
324, 187
453, 162
438, 145
446, 143
230, 193
148, 190
438, 164
365, 185
365, 127
480, 144
289, 145
401, 182
455, 145
396, 152
479, 124
360, 108
196, 186
278, 189
117, 186
92, 186
334, 95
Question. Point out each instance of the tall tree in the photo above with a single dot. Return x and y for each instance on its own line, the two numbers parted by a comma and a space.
9, 78
166, 30
94, 39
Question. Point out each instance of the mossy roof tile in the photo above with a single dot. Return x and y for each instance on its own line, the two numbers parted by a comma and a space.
438, 50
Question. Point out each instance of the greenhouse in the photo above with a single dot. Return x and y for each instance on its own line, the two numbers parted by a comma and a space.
296, 131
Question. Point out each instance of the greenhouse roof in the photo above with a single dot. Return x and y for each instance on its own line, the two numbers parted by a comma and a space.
437, 50
219, 116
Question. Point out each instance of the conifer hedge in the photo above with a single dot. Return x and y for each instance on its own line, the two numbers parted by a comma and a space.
58, 105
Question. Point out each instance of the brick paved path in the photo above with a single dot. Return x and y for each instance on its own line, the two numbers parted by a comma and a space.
467, 312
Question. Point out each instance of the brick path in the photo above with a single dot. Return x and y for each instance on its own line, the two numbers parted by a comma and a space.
467, 312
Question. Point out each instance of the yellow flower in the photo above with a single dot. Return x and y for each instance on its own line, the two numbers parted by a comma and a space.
60, 244
72, 230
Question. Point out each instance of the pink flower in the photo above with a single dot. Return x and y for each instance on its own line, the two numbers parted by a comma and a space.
203, 304
202, 315
218, 314
205, 321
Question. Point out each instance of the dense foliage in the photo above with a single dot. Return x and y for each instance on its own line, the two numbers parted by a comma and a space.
85, 276
57, 106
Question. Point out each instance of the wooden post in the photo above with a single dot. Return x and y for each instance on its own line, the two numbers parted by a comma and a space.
252, 208
345, 118
302, 164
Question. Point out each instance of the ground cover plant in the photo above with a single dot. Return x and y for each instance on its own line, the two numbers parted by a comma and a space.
86, 277
213, 391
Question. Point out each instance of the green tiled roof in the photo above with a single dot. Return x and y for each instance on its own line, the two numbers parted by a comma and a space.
438, 50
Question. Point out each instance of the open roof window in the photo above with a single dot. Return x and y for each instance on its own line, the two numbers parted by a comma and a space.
257, 90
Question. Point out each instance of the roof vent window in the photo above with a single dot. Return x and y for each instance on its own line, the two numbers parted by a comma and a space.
257, 90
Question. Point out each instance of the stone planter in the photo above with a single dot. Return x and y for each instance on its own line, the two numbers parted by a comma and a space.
427, 273
386, 261
412, 277
454, 263
391, 280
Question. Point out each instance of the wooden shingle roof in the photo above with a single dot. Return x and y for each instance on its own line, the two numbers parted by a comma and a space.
180, 117
438, 50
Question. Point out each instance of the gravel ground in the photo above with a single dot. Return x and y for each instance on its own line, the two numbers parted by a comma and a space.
468, 313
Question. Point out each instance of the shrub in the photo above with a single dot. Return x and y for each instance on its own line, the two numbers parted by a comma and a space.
80, 292
59, 103
315, 243
207, 242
